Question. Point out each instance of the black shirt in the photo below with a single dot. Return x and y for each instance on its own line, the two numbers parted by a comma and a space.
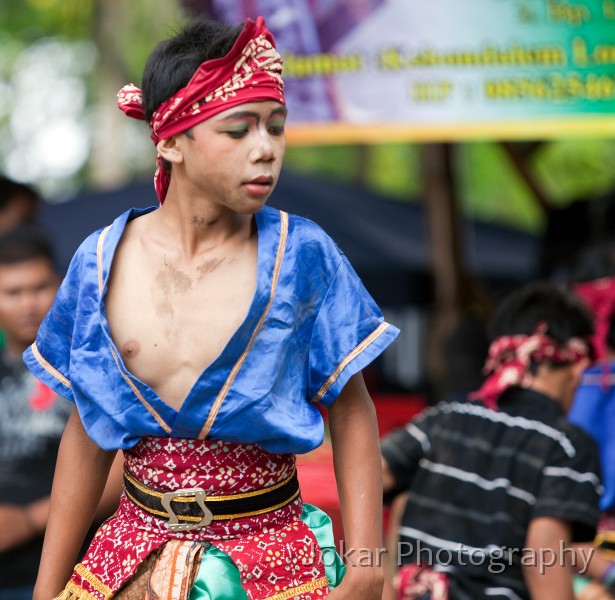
477, 477
32, 420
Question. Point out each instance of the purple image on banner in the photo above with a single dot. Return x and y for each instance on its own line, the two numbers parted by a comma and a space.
301, 28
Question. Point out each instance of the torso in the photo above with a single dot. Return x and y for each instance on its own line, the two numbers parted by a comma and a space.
171, 316
265, 383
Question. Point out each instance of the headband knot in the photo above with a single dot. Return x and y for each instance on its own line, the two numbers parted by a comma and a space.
250, 72
130, 100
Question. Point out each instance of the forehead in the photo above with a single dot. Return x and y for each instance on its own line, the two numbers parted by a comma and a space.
30, 272
260, 110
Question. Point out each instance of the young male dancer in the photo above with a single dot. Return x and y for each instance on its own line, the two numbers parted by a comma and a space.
199, 337
498, 490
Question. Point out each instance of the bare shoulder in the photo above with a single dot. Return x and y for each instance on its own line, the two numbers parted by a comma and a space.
136, 231
136, 252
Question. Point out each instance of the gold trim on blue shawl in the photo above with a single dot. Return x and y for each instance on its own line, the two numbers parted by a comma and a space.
372, 337
213, 413
99, 249
48, 367
133, 387
138, 394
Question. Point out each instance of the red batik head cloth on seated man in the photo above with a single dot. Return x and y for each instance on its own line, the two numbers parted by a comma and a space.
510, 359
251, 71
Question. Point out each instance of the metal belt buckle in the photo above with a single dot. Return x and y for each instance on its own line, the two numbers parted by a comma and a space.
199, 497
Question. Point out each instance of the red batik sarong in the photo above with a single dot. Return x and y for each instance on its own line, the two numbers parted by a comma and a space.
413, 582
276, 553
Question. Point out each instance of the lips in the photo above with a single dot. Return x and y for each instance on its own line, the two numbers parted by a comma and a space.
263, 180
259, 186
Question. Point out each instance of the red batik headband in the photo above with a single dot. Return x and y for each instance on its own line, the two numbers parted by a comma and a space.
251, 71
510, 357
599, 295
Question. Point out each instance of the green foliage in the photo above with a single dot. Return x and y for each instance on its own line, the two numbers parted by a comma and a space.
137, 29
491, 189
330, 162
394, 170
566, 170
131, 30
489, 186
388, 169
577, 169
33, 19
98, 46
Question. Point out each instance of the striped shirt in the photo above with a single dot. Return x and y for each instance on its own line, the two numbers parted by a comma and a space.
476, 477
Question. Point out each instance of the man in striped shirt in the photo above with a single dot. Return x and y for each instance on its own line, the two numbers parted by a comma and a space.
500, 486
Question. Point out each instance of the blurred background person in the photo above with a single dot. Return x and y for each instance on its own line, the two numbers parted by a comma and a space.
594, 406
494, 482
19, 204
32, 417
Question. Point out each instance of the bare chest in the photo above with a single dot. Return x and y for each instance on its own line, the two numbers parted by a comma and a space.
170, 321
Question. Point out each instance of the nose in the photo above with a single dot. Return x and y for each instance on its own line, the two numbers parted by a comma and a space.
28, 302
264, 148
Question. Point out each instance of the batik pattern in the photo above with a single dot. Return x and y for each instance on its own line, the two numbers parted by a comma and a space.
276, 553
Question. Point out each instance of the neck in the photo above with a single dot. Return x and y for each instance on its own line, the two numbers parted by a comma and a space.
545, 389
199, 228
554, 383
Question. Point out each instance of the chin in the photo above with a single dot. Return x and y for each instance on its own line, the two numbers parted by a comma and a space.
253, 207
27, 338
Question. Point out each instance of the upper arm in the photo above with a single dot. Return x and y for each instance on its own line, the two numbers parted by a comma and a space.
546, 532
565, 511
353, 398
110, 498
355, 441
352, 417
545, 562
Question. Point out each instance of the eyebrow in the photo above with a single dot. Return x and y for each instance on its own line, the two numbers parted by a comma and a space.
243, 114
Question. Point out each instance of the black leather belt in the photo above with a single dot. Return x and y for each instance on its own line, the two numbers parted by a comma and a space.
187, 509
605, 541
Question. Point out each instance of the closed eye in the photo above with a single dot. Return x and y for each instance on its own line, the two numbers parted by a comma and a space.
237, 134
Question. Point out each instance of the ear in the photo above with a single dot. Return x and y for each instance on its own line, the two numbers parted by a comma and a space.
170, 150
580, 366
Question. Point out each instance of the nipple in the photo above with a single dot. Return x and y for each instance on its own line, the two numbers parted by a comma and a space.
130, 349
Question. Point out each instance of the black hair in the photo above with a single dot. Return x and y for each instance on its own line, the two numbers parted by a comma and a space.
10, 189
174, 61
25, 243
564, 313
